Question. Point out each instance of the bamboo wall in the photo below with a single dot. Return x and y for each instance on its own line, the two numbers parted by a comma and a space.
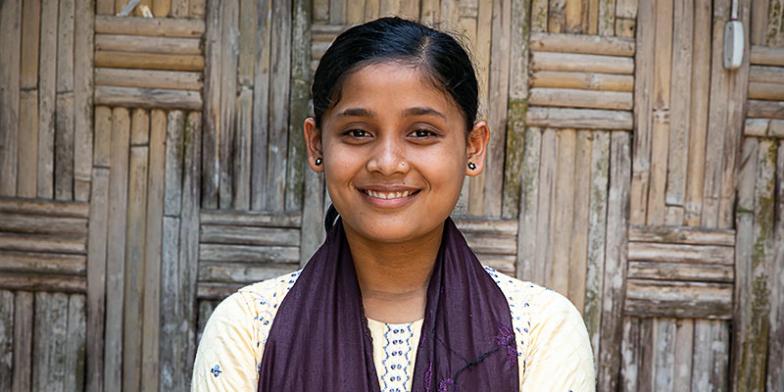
151, 166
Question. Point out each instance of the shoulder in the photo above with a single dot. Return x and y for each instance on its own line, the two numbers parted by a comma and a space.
232, 343
551, 337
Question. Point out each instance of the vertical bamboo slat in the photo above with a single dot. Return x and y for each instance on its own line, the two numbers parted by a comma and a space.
607, 17
280, 73
680, 104
28, 105
529, 207
556, 16
134, 250
6, 339
46, 99
597, 234
337, 11
684, 345
115, 261
579, 246
517, 107
631, 353
643, 83
10, 41
83, 97
539, 15
542, 261
23, 341
152, 252
775, 377
663, 344
212, 115
75, 347
563, 210
50, 341
698, 113
180, 8
228, 80
64, 117
615, 262
660, 110
261, 106
299, 96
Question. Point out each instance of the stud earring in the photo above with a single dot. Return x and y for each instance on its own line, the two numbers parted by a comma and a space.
472, 165
319, 161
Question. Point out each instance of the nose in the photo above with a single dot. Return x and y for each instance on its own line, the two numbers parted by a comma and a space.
388, 158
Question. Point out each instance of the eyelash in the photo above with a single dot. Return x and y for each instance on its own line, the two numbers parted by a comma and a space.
421, 133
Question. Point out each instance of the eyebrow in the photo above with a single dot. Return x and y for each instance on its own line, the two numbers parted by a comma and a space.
414, 111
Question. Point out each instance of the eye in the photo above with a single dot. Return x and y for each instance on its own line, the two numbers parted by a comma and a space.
423, 133
357, 133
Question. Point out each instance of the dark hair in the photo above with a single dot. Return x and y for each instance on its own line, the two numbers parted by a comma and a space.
394, 39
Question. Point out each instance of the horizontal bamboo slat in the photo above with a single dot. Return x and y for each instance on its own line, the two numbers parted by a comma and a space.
43, 263
250, 218
766, 90
682, 235
589, 99
71, 244
762, 55
652, 251
248, 254
42, 224
585, 44
570, 62
145, 78
654, 298
579, 118
66, 209
698, 272
37, 282
248, 235
218, 291
766, 74
157, 27
147, 98
765, 109
763, 127
159, 61
583, 80
242, 273
145, 44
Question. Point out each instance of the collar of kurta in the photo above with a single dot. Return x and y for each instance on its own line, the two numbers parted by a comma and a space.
320, 341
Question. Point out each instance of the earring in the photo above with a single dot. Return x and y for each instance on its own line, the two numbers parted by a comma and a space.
319, 161
472, 165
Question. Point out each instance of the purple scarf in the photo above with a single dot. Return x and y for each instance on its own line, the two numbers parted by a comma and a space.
320, 340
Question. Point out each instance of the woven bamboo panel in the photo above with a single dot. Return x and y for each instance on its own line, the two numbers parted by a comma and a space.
581, 81
43, 245
149, 63
46, 110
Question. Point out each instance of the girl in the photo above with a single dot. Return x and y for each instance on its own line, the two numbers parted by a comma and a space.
394, 300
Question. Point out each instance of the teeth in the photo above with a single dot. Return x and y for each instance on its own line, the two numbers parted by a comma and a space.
388, 195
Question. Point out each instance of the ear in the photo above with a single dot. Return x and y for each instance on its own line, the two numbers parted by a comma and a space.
476, 147
313, 144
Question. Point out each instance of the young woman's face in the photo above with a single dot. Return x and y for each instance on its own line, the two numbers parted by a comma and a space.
394, 152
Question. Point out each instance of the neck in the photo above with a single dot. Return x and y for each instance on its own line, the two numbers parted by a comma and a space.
393, 277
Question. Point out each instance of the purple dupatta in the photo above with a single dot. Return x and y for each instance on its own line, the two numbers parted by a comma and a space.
319, 340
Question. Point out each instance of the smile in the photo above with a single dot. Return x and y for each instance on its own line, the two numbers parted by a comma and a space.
388, 195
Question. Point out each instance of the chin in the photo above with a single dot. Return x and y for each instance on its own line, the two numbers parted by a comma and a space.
393, 230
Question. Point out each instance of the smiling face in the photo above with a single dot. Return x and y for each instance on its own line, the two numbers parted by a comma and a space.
395, 152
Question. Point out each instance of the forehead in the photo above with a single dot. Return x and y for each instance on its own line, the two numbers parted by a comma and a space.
393, 85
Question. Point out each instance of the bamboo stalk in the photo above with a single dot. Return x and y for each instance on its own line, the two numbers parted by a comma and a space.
581, 98
147, 98
762, 55
583, 80
579, 118
170, 62
156, 27
585, 44
547, 61
175, 80
137, 44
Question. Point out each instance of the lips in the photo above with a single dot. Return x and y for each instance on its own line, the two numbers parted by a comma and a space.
389, 193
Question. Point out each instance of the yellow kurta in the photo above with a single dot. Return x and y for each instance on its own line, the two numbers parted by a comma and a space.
554, 352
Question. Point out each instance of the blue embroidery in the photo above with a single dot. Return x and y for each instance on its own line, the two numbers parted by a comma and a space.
216, 370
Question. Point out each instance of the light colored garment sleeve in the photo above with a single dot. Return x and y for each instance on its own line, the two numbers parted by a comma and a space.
227, 357
559, 356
